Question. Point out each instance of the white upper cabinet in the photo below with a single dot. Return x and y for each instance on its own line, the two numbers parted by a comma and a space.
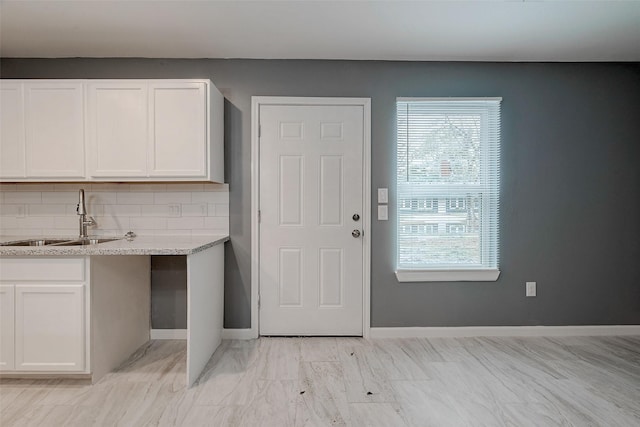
122, 130
178, 130
54, 129
117, 129
12, 130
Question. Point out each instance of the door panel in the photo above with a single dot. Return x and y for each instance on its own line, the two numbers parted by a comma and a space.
311, 184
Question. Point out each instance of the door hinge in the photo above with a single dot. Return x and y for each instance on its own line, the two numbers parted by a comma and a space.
259, 130
258, 301
259, 216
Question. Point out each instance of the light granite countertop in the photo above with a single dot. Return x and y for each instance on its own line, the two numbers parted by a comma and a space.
141, 245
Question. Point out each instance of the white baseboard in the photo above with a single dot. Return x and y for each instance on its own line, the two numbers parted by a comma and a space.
505, 331
168, 334
239, 334
181, 334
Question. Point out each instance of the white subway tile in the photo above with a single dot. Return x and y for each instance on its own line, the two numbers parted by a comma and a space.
165, 233
121, 210
213, 186
184, 186
220, 210
35, 186
135, 198
46, 210
185, 223
32, 222
59, 197
17, 210
211, 232
217, 222
101, 198
8, 222
154, 210
143, 186
66, 222
210, 197
22, 232
199, 209
112, 223
110, 187
147, 223
25, 197
71, 186
172, 197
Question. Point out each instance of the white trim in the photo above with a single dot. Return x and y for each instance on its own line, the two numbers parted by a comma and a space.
256, 102
466, 275
168, 334
448, 99
238, 334
505, 331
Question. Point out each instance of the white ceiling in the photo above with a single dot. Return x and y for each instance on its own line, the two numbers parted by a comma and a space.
559, 30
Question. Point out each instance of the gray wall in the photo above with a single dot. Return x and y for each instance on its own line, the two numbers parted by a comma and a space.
570, 179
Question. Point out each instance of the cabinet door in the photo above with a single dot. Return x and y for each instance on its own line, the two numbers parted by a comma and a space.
118, 131
50, 327
178, 130
54, 125
6, 328
12, 149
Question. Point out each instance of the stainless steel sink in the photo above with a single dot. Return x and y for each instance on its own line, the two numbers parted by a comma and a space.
83, 242
34, 242
58, 242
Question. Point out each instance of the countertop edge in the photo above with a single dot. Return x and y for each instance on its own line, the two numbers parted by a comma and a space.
181, 246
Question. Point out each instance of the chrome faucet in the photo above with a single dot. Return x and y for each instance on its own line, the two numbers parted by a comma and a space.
82, 212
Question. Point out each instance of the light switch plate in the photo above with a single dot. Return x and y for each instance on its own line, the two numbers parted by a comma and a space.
383, 212
383, 195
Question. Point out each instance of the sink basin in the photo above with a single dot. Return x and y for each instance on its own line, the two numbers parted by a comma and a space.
34, 242
58, 242
83, 242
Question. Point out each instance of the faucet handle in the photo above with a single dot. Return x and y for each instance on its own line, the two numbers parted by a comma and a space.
130, 236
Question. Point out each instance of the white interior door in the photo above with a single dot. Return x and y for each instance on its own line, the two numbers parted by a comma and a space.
311, 219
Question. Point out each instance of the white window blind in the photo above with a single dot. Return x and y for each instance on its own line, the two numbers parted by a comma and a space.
448, 154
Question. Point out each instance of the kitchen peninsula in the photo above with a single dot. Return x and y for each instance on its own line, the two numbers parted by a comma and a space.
107, 289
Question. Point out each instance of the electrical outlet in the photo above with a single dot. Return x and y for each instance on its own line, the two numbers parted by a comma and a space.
531, 289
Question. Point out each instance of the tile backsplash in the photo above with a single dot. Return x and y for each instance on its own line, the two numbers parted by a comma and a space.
35, 209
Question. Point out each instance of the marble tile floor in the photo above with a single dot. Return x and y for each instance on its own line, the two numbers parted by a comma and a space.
570, 381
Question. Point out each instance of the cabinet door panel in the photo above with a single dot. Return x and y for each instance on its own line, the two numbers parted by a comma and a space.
118, 129
54, 124
178, 130
11, 130
6, 328
50, 334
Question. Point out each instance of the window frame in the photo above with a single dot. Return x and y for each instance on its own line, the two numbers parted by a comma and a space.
472, 272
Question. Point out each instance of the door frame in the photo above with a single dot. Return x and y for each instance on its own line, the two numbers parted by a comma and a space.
256, 103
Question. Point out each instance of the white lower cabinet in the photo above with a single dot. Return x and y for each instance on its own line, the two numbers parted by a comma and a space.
7, 347
43, 313
49, 327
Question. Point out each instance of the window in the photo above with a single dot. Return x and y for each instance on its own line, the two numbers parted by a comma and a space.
448, 176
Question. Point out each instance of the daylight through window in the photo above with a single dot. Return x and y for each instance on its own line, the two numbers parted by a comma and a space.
448, 152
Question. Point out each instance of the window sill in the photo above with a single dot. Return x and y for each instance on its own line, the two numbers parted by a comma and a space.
484, 275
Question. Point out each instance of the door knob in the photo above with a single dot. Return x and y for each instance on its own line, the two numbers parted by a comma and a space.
355, 233
356, 217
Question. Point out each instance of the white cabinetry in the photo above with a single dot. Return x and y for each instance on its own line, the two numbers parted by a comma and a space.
49, 327
42, 130
7, 346
118, 130
44, 309
124, 130
12, 130
178, 130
